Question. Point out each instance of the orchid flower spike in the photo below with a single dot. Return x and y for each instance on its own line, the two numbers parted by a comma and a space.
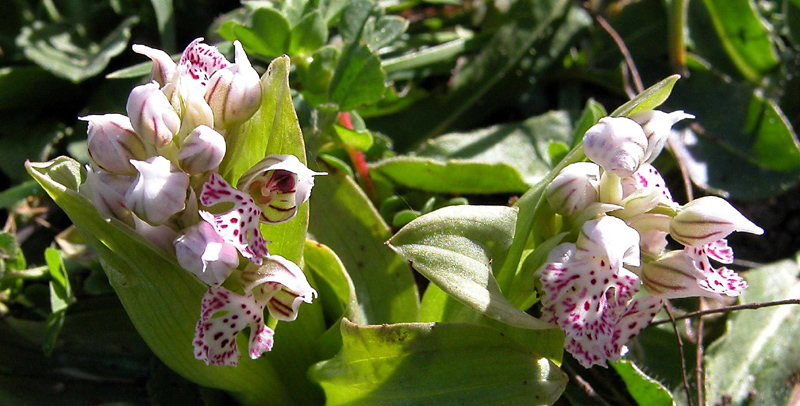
574, 188
152, 115
708, 219
203, 252
617, 144
657, 125
234, 92
113, 143
159, 190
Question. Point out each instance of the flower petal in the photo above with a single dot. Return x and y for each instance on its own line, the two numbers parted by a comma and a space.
708, 219
281, 284
159, 190
610, 238
215, 337
239, 226
202, 60
203, 252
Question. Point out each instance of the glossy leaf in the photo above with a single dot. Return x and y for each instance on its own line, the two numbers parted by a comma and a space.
456, 248
759, 352
644, 389
328, 270
651, 98
358, 140
54, 48
343, 218
267, 35
387, 29
435, 363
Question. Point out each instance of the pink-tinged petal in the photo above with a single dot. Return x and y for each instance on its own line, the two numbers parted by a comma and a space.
234, 93
240, 225
215, 337
202, 60
278, 184
617, 144
163, 65
610, 238
574, 189
708, 219
107, 193
674, 275
719, 281
280, 284
162, 236
638, 314
159, 190
152, 115
652, 228
657, 126
647, 177
203, 252
720, 251
113, 143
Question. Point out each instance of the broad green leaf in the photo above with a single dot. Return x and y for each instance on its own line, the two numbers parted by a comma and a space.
744, 36
759, 352
358, 140
329, 271
308, 35
294, 10
60, 289
435, 363
644, 389
354, 16
320, 71
523, 146
456, 248
387, 29
54, 48
750, 154
343, 218
451, 176
427, 56
651, 98
359, 78
267, 35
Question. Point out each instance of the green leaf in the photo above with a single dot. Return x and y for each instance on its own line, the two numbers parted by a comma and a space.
54, 48
591, 114
358, 140
435, 363
267, 35
331, 276
308, 35
456, 248
359, 78
387, 29
354, 16
744, 36
165, 18
12, 258
522, 293
651, 98
428, 56
744, 146
343, 218
523, 146
451, 176
644, 389
60, 289
317, 78
52, 326
759, 352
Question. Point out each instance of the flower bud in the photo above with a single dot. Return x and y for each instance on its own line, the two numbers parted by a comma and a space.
112, 143
657, 125
234, 93
617, 144
278, 185
708, 219
107, 193
163, 65
152, 116
159, 190
574, 188
188, 99
201, 251
202, 150
673, 275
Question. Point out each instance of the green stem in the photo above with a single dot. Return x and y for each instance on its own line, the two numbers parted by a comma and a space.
677, 35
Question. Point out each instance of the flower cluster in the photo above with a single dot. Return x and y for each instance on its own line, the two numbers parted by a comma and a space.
604, 288
156, 170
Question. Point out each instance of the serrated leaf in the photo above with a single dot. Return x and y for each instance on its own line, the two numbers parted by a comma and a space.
53, 47
343, 218
759, 352
457, 248
435, 363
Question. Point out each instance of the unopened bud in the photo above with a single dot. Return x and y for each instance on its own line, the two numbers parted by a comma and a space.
163, 65
113, 143
617, 144
107, 193
574, 188
159, 190
234, 92
657, 125
708, 219
202, 150
152, 116
201, 251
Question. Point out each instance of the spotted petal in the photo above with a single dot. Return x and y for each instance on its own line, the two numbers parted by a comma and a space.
611, 238
638, 314
201, 60
223, 314
721, 281
239, 225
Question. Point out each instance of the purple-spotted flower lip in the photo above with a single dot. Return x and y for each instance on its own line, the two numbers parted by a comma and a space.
281, 283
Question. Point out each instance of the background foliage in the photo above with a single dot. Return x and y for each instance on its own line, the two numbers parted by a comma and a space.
446, 103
